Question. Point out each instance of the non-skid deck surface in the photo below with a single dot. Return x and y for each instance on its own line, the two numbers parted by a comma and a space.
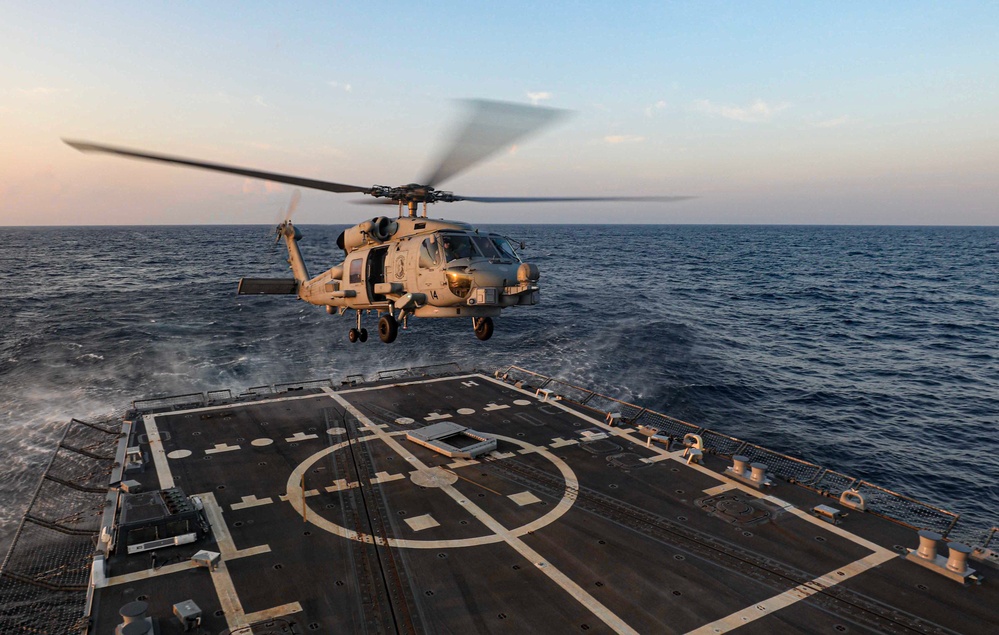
329, 520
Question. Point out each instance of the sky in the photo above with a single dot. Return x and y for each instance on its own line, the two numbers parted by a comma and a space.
766, 112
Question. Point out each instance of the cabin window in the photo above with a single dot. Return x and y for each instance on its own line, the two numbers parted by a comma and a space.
355, 271
429, 254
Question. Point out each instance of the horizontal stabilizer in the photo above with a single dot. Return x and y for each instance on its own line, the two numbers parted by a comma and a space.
270, 286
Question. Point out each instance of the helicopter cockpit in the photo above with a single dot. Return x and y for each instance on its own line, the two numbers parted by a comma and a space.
456, 251
495, 248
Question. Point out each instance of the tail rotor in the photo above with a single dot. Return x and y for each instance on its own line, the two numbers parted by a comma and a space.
286, 217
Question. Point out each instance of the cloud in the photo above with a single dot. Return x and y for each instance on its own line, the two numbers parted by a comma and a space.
756, 112
650, 111
344, 87
623, 138
536, 97
259, 100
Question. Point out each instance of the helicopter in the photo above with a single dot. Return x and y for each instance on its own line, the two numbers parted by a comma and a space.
412, 265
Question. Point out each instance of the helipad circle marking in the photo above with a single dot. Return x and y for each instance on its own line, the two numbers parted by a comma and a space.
521, 402
466, 411
405, 421
294, 494
261, 442
179, 454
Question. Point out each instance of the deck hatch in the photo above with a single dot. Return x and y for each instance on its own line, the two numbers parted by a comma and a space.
453, 440
736, 508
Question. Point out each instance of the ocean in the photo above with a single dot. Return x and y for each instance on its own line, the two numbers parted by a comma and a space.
870, 350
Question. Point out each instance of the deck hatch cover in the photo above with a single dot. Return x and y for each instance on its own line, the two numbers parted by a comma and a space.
736, 508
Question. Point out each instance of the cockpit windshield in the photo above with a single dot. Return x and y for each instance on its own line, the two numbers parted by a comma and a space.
504, 247
486, 247
457, 246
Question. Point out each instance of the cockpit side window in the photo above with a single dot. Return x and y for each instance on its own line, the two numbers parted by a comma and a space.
457, 247
504, 247
429, 254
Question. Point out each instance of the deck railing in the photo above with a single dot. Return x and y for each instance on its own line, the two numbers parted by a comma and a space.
879, 500
204, 399
420, 371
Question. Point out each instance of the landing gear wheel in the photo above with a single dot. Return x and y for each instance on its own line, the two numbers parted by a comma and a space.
388, 328
363, 335
483, 328
352, 335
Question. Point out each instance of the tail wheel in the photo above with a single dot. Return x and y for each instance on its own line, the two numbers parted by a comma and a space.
352, 335
388, 328
483, 328
363, 335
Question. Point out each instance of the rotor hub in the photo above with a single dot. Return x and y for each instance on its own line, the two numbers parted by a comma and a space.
412, 193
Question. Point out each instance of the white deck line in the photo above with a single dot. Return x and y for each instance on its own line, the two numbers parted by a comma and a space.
159, 454
251, 501
589, 602
728, 482
235, 617
228, 597
145, 574
789, 597
272, 613
403, 383
879, 555
221, 531
156, 443
238, 404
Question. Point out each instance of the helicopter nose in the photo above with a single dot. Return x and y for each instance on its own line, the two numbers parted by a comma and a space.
503, 285
493, 275
528, 272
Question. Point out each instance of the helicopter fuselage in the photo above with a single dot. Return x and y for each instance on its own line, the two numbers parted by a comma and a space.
412, 266
417, 267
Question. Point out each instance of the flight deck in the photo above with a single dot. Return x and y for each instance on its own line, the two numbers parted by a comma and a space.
323, 509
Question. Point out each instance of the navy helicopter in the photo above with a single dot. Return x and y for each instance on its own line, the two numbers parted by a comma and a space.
412, 265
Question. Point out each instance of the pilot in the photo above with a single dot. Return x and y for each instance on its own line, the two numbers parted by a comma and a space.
456, 248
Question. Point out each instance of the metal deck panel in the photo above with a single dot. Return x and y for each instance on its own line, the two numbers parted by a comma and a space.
452, 571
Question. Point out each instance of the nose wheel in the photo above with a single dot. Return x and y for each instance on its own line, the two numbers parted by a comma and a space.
483, 327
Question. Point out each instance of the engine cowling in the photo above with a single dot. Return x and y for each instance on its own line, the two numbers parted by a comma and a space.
376, 230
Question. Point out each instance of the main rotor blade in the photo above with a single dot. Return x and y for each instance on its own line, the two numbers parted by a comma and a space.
84, 146
489, 127
375, 201
571, 199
